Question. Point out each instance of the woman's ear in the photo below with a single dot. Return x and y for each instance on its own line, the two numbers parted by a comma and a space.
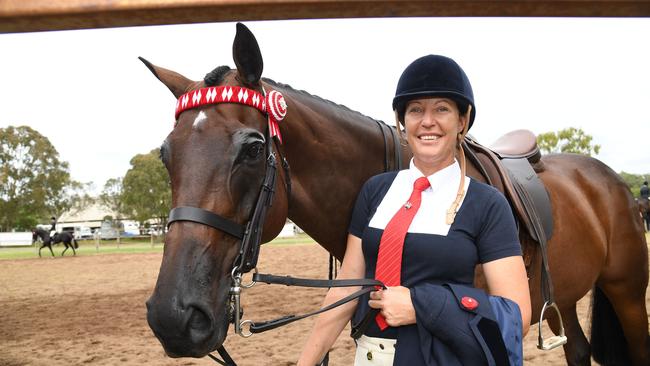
462, 122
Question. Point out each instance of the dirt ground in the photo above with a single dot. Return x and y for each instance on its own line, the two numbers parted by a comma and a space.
89, 310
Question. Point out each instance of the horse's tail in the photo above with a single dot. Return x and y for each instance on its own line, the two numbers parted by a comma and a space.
608, 344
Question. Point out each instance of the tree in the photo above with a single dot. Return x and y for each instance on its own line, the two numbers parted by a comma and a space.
34, 183
111, 195
568, 140
634, 181
146, 192
73, 198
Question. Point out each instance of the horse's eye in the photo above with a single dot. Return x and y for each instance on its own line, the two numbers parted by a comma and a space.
255, 150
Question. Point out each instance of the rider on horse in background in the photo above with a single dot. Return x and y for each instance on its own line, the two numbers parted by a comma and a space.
53, 227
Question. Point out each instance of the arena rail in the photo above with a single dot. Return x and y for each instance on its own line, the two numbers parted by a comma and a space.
47, 15
12, 239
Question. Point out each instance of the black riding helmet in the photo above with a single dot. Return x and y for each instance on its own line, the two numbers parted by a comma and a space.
434, 76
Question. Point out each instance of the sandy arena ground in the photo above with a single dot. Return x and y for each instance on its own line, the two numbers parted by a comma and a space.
89, 310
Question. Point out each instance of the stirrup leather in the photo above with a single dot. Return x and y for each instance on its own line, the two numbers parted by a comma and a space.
554, 341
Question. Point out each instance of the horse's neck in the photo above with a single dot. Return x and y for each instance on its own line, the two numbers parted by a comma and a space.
332, 151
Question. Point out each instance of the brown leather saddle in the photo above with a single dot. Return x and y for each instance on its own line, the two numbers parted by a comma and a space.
511, 165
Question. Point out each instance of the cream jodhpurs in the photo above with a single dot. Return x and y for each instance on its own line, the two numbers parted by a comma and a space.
374, 351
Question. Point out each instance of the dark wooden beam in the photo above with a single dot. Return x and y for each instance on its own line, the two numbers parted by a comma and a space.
43, 15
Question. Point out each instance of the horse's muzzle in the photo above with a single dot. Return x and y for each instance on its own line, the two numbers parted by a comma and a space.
184, 331
188, 308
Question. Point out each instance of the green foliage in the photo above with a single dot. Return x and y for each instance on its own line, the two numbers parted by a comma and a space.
146, 192
76, 198
34, 183
634, 181
568, 140
111, 196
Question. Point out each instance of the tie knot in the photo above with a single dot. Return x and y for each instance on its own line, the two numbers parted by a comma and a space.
421, 184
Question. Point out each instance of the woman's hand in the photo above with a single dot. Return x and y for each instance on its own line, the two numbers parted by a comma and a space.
395, 305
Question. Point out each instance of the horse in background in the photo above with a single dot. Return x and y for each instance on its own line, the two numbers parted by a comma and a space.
644, 210
46, 241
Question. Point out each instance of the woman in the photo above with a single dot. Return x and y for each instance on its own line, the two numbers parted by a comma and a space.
421, 231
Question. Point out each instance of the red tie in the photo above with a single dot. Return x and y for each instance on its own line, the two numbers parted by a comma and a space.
389, 258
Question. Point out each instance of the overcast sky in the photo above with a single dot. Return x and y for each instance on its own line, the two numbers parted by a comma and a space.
99, 105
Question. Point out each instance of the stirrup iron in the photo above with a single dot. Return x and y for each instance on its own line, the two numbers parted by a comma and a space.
554, 341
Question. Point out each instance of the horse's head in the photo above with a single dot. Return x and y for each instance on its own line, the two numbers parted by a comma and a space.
40, 233
216, 159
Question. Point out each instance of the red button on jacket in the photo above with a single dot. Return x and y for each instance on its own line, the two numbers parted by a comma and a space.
469, 303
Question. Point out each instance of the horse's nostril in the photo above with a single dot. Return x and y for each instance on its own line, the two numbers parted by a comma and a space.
199, 320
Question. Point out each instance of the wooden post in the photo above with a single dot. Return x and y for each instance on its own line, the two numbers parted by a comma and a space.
42, 15
97, 242
152, 239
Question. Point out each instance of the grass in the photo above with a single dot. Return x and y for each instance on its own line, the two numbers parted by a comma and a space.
127, 246
130, 246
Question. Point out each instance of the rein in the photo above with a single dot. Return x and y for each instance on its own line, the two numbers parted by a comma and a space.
274, 107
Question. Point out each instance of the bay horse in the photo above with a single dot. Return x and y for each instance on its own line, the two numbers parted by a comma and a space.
46, 241
215, 157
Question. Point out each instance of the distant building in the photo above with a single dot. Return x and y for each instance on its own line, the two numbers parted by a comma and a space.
91, 217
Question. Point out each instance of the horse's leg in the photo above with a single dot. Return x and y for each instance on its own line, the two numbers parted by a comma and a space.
577, 350
49, 246
628, 302
66, 248
39, 250
74, 252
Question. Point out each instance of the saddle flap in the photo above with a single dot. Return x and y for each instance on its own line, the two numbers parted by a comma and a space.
517, 180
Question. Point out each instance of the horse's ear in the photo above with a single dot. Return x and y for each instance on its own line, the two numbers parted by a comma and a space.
177, 83
247, 55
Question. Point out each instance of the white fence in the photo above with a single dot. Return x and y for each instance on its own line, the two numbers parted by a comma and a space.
288, 230
15, 239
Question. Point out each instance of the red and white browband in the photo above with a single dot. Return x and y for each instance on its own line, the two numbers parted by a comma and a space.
272, 104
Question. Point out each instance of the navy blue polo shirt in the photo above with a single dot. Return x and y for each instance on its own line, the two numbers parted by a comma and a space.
484, 230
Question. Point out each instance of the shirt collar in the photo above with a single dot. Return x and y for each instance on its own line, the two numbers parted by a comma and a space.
446, 176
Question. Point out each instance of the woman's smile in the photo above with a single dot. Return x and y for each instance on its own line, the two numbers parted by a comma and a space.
429, 137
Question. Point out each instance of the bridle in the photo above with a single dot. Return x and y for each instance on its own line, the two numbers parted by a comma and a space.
250, 234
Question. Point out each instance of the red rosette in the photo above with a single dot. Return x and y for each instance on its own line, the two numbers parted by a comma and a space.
276, 107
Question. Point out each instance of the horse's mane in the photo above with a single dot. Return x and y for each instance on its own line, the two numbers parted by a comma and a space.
44, 234
216, 76
286, 86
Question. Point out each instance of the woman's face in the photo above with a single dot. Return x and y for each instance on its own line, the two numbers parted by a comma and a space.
432, 126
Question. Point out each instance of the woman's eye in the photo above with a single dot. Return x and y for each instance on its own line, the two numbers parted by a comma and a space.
255, 150
414, 110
